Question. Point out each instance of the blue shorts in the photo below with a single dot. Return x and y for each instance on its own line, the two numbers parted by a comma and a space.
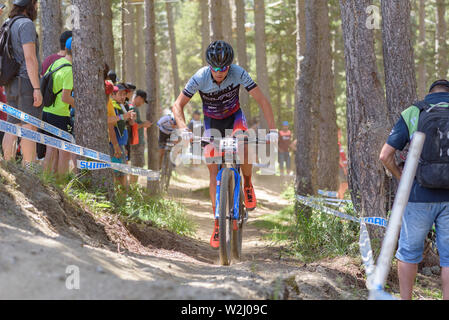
416, 224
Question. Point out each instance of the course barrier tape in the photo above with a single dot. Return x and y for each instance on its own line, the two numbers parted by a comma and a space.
316, 204
330, 194
72, 148
364, 241
91, 165
22, 116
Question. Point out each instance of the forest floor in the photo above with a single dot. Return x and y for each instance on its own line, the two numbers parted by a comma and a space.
44, 235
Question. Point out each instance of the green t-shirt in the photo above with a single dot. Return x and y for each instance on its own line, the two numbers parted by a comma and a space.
62, 80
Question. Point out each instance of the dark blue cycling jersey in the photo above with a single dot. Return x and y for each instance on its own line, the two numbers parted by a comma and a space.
220, 101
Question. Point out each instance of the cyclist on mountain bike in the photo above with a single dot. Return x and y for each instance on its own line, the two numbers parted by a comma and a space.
219, 85
167, 126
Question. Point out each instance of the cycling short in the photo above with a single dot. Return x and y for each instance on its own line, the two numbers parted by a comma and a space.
235, 122
163, 139
231, 125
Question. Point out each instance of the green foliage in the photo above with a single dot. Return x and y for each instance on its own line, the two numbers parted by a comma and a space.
133, 205
312, 238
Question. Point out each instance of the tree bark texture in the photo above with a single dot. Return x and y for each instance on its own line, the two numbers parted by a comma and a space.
306, 108
261, 55
173, 51
51, 21
151, 79
242, 53
366, 112
91, 130
399, 61
329, 153
107, 37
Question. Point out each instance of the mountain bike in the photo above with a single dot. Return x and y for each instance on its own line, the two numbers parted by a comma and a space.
166, 167
230, 208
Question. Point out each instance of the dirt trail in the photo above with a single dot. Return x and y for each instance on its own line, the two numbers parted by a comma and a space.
43, 235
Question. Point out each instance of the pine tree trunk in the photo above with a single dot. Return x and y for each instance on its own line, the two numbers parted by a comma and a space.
279, 74
151, 79
227, 21
366, 113
399, 62
328, 157
107, 39
422, 72
128, 47
51, 23
173, 51
263, 80
91, 130
140, 57
242, 53
205, 28
305, 122
216, 20
442, 60
300, 40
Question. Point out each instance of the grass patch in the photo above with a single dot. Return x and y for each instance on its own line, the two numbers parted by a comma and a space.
132, 205
311, 238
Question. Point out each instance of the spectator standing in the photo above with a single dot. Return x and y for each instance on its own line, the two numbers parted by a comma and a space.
196, 125
61, 54
138, 150
343, 170
118, 133
285, 141
3, 116
24, 91
429, 198
58, 115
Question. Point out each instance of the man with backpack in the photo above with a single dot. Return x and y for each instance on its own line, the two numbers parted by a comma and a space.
19, 50
48, 61
429, 198
58, 112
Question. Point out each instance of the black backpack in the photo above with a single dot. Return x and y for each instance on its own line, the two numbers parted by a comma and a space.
9, 67
49, 97
433, 167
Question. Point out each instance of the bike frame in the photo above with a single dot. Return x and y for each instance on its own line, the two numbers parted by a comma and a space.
237, 188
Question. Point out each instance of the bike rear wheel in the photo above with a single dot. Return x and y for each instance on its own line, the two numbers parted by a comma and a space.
225, 219
166, 172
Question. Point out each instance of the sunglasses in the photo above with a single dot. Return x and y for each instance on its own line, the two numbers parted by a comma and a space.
224, 69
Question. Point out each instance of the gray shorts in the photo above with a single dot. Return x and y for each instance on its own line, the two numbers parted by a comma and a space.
19, 94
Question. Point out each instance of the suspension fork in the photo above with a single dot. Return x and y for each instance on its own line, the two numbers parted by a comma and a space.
236, 206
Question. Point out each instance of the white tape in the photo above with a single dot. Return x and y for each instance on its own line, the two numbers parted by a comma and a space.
331, 194
91, 165
72, 148
315, 203
22, 116
364, 240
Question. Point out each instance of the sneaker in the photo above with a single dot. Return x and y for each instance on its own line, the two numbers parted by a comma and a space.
250, 198
215, 239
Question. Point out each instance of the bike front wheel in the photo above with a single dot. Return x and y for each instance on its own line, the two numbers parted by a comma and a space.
225, 220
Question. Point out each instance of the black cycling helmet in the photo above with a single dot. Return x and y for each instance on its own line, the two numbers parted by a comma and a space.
21, 3
219, 54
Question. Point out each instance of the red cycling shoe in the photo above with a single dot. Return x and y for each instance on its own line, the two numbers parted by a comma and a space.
250, 198
215, 239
